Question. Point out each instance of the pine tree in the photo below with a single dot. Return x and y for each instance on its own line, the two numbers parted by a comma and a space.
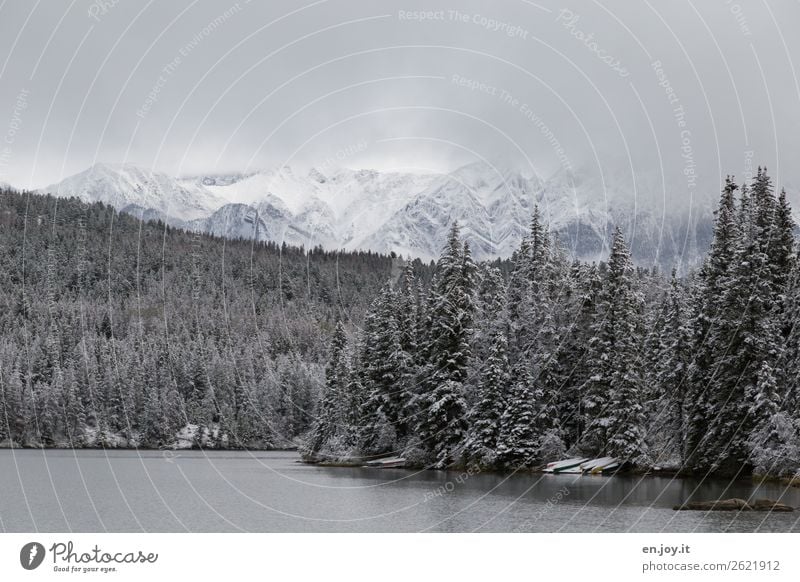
155, 432
706, 301
329, 420
671, 367
491, 311
408, 301
442, 407
613, 394
790, 332
575, 351
519, 440
528, 289
538, 322
12, 413
781, 246
764, 398
485, 417
747, 335
773, 444
387, 373
354, 419
74, 413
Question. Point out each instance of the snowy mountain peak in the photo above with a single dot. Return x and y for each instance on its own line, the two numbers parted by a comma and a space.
126, 185
406, 212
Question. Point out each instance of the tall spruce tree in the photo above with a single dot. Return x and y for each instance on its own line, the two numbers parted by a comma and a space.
673, 354
706, 298
774, 442
329, 419
485, 418
575, 351
747, 335
535, 304
519, 438
442, 408
613, 394
387, 371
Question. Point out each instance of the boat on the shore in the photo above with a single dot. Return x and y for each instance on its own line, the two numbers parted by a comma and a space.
596, 466
609, 469
565, 465
386, 463
584, 466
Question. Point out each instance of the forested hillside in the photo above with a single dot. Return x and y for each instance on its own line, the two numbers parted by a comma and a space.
116, 332
555, 358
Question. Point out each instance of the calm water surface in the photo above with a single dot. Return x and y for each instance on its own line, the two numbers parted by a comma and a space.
122, 491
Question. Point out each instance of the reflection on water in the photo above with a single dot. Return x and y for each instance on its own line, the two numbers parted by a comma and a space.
89, 490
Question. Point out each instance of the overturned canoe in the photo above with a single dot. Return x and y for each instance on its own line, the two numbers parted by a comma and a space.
387, 463
609, 469
596, 465
583, 466
565, 465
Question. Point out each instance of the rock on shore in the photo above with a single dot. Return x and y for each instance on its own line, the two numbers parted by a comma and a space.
734, 504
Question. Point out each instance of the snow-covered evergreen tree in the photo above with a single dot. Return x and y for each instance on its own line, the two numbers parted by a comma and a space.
536, 299
613, 394
747, 335
670, 368
484, 419
442, 408
491, 313
387, 366
773, 444
519, 438
408, 300
329, 419
782, 246
706, 303
575, 350
354, 418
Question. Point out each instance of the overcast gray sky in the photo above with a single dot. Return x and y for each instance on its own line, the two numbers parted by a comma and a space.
201, 87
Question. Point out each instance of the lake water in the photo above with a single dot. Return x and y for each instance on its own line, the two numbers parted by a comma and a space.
215, 491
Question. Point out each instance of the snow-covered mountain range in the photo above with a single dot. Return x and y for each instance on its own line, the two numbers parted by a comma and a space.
409, 213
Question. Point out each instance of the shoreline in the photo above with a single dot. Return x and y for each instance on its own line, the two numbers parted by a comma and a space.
793, 482
60, 447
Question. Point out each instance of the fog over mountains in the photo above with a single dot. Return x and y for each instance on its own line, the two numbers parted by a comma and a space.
409, 213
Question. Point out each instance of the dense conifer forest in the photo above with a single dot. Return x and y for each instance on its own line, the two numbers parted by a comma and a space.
492, 371
118, 332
